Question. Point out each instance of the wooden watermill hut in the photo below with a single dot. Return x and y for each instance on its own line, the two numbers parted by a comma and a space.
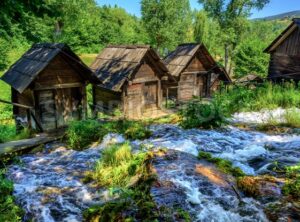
285, 54
48, 85
196, 72
130, 78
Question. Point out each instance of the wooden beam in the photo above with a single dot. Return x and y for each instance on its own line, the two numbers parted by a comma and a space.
59, 86
16, 104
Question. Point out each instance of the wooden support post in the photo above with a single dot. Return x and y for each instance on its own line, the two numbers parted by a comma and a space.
29, 119
36, 121
167, 97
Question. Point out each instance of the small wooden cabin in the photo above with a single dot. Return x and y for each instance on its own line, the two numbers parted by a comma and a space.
51, 80
196, 72
285, 54
130, 78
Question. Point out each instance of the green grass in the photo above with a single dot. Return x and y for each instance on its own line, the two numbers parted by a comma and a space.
8, 132
88, 58
118, 166
9, 211
129, 177
265, 96
224, 165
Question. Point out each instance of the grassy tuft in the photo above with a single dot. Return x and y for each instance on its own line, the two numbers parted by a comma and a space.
292, 186
118, 167
224, 165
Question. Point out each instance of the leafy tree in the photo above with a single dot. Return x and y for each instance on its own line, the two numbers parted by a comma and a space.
166, 21
3, 54
232, 17
207, 31
250, 58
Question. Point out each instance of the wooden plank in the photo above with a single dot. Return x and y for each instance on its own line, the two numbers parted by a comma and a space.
59, 86
20, 145
16, 104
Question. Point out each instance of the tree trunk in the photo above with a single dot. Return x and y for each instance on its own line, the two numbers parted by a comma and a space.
227, 57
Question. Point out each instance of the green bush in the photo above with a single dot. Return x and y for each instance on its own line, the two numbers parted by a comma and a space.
224, 165
199, 114
9, 211
8, 133
80, 134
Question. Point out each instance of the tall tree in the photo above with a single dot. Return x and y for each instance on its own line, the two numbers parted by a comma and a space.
166, 21
232, 17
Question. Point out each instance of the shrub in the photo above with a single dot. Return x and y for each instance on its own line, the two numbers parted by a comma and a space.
8, 133
9, 211
133, 129
224, 165
205, 115
81, 133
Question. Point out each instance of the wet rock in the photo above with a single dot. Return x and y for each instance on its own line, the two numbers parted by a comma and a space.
265, 188
199, 187
284, 210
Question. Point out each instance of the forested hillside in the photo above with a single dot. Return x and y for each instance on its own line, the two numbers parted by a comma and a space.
88, 27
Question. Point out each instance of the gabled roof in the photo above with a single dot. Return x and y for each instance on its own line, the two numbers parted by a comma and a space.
178, 60
35, 60
286, 33
118, 63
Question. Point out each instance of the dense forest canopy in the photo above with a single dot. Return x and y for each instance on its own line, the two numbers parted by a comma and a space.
88, 27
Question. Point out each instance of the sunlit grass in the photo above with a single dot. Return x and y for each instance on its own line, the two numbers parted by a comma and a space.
118, 166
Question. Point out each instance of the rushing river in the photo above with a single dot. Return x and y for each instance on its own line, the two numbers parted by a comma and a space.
49, 185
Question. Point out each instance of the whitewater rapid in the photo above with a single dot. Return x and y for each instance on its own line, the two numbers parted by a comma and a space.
48, 185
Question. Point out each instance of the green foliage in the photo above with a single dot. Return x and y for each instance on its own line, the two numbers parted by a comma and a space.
3, 54
250, 58
292, 186
8, 133
232, 18
9, 210
166, 21
80, 134
265, 96
224, 165
200, 114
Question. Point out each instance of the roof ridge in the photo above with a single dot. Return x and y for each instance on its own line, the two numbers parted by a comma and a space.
129, 46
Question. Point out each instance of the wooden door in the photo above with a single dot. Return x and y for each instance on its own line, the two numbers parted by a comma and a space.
68, 105
47, 109
150, 95
133, 101
186, 87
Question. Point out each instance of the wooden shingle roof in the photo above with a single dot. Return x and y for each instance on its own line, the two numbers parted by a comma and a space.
286, 33
118, 63
181, 57
35, 60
